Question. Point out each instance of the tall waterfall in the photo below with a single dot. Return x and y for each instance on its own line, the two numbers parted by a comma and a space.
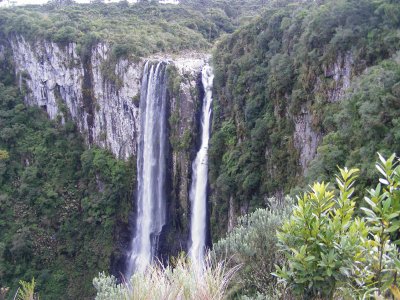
151, 164
198, 189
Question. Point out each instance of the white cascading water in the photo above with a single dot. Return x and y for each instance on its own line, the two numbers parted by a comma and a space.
198, 189
151, 165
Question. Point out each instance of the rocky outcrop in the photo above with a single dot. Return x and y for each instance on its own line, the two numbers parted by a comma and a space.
333, 86
186, 93
68, 87
306, 139
2, 52
340, 71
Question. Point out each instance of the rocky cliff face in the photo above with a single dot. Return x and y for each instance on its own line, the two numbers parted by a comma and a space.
306, 138
270, 119
66, 86
99, 95
186, 93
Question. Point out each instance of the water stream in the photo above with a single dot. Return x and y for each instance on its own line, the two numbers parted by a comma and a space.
151, 168
198, 189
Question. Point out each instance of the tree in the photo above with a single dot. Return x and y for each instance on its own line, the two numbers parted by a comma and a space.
4, 154
60, 3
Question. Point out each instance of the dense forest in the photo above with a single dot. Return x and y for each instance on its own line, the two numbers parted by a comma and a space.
132, 30
273, 72
305, 93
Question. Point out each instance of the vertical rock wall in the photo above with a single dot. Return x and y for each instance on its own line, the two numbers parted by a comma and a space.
57, 79
184, 121
306, 138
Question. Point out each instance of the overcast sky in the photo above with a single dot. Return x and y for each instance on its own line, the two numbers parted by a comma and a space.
24, 2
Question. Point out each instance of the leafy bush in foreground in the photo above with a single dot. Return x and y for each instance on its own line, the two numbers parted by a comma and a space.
330, 253
322, 240
384, 221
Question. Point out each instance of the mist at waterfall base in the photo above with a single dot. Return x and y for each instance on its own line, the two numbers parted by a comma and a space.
151, 166
198, 189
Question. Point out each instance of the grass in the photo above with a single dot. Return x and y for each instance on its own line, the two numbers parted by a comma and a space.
179, 280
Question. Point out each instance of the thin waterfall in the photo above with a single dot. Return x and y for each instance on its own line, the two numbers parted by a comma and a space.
198, 189
151, 167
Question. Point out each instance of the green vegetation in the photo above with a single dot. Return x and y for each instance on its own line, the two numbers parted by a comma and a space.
325, 247
62, 206
132, 30
182, 281
253, 246
59, 203
365, 122
383, 218
331, 253
274, 71
140, 30
328, 246
323, 242
27, 290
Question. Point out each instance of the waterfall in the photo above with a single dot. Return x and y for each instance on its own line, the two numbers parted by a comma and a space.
151, 164
198, 189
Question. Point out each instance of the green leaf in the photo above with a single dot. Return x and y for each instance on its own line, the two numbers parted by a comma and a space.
369, 212
382, 159
370, 202
383, 181
393, 228
309, 258
393, 215
386, 204
381, 170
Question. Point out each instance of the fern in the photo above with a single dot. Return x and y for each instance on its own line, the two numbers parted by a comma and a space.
27, 290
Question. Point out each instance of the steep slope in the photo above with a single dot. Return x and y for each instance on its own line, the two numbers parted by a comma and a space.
276, 80
101, 97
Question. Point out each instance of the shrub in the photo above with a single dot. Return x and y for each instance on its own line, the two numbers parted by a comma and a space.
383, 217
4, 154
324, 244
332, 253
107, 288
252, 244
26, 291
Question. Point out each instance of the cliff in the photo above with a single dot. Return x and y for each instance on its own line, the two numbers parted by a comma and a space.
101, 96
